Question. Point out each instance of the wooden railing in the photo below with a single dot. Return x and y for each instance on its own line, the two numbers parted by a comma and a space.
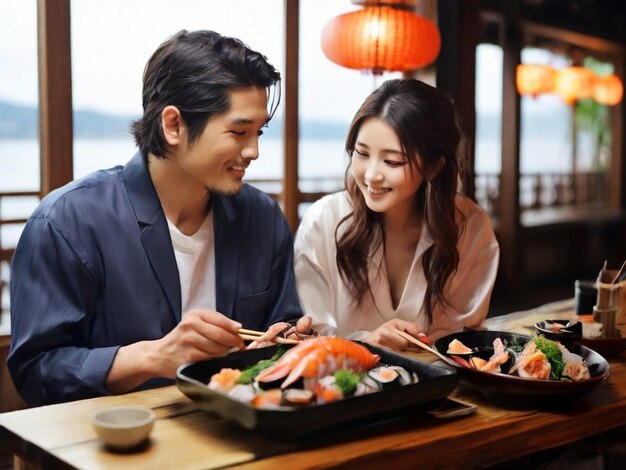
6, 253
311, 189
545, 190
273, 187
537, 191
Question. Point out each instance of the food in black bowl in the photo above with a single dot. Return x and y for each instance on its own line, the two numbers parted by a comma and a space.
568, 333
503, 382
589, 335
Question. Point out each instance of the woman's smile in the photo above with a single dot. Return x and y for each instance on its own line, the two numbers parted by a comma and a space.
372, 190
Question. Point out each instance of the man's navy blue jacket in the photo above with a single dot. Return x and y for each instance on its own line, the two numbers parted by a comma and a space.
95, 270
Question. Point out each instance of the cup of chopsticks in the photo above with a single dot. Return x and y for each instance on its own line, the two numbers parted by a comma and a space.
610, 308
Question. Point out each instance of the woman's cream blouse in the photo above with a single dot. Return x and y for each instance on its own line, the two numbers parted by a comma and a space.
325, 298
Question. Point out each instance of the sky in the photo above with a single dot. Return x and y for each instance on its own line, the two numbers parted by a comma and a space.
112, 40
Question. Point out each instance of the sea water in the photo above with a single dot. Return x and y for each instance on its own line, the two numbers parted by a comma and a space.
320, 161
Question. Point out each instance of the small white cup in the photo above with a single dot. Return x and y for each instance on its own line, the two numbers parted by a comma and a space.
123, 427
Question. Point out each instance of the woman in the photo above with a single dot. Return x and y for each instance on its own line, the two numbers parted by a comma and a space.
399, 248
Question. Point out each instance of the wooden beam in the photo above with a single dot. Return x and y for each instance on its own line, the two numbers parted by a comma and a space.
533, 30
55, 93
617, 115
509, 220
456, 70
291, 193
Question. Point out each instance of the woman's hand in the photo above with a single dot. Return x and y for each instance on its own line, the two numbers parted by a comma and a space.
386, 336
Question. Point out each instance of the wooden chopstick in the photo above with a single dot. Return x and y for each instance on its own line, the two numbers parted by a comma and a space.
253, 335
251, 332
417, 342
619, 273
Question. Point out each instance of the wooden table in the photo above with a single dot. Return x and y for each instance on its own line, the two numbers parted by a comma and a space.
183, 437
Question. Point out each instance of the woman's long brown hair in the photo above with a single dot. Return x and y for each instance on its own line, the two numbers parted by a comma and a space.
428, 126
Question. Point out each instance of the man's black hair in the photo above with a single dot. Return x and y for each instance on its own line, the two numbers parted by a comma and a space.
195, 71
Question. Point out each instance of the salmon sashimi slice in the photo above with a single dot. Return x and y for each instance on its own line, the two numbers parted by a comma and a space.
318, 357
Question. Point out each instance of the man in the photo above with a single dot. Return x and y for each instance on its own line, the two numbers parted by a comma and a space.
122, 276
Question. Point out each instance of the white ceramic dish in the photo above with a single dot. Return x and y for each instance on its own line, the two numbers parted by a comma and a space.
123, 427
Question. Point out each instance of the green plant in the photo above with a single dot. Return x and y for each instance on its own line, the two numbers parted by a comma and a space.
593, 117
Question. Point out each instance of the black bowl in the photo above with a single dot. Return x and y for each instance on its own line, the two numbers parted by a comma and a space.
570, 335
573, 337
518, 391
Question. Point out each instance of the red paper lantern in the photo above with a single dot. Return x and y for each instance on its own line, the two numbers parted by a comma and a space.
574, 83
381, 39
535, 79
608, 90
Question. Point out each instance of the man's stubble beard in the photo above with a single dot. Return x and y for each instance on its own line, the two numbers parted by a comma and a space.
221, 192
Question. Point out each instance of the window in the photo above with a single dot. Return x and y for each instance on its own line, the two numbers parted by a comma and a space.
562, 165
562, 162
19, 145
329, 97
488, 152
111, 43
545, 139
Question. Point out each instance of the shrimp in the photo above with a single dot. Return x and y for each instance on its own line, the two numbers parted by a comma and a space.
318, 357
499, 357
575, 367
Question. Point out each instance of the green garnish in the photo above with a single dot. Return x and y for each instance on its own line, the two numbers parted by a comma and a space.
517, 343
553, 354
248, 374
347, 380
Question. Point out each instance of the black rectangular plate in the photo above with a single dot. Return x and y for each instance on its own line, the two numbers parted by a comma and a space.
435, 383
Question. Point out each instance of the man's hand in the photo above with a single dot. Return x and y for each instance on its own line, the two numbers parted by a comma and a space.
386, 337
284, 329
202, 334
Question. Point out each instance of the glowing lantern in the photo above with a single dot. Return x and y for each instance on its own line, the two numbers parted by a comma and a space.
535, 79
381, 38
574, 83
608, 90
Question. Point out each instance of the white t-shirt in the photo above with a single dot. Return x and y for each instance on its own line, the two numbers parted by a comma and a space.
325, 298
195, 258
